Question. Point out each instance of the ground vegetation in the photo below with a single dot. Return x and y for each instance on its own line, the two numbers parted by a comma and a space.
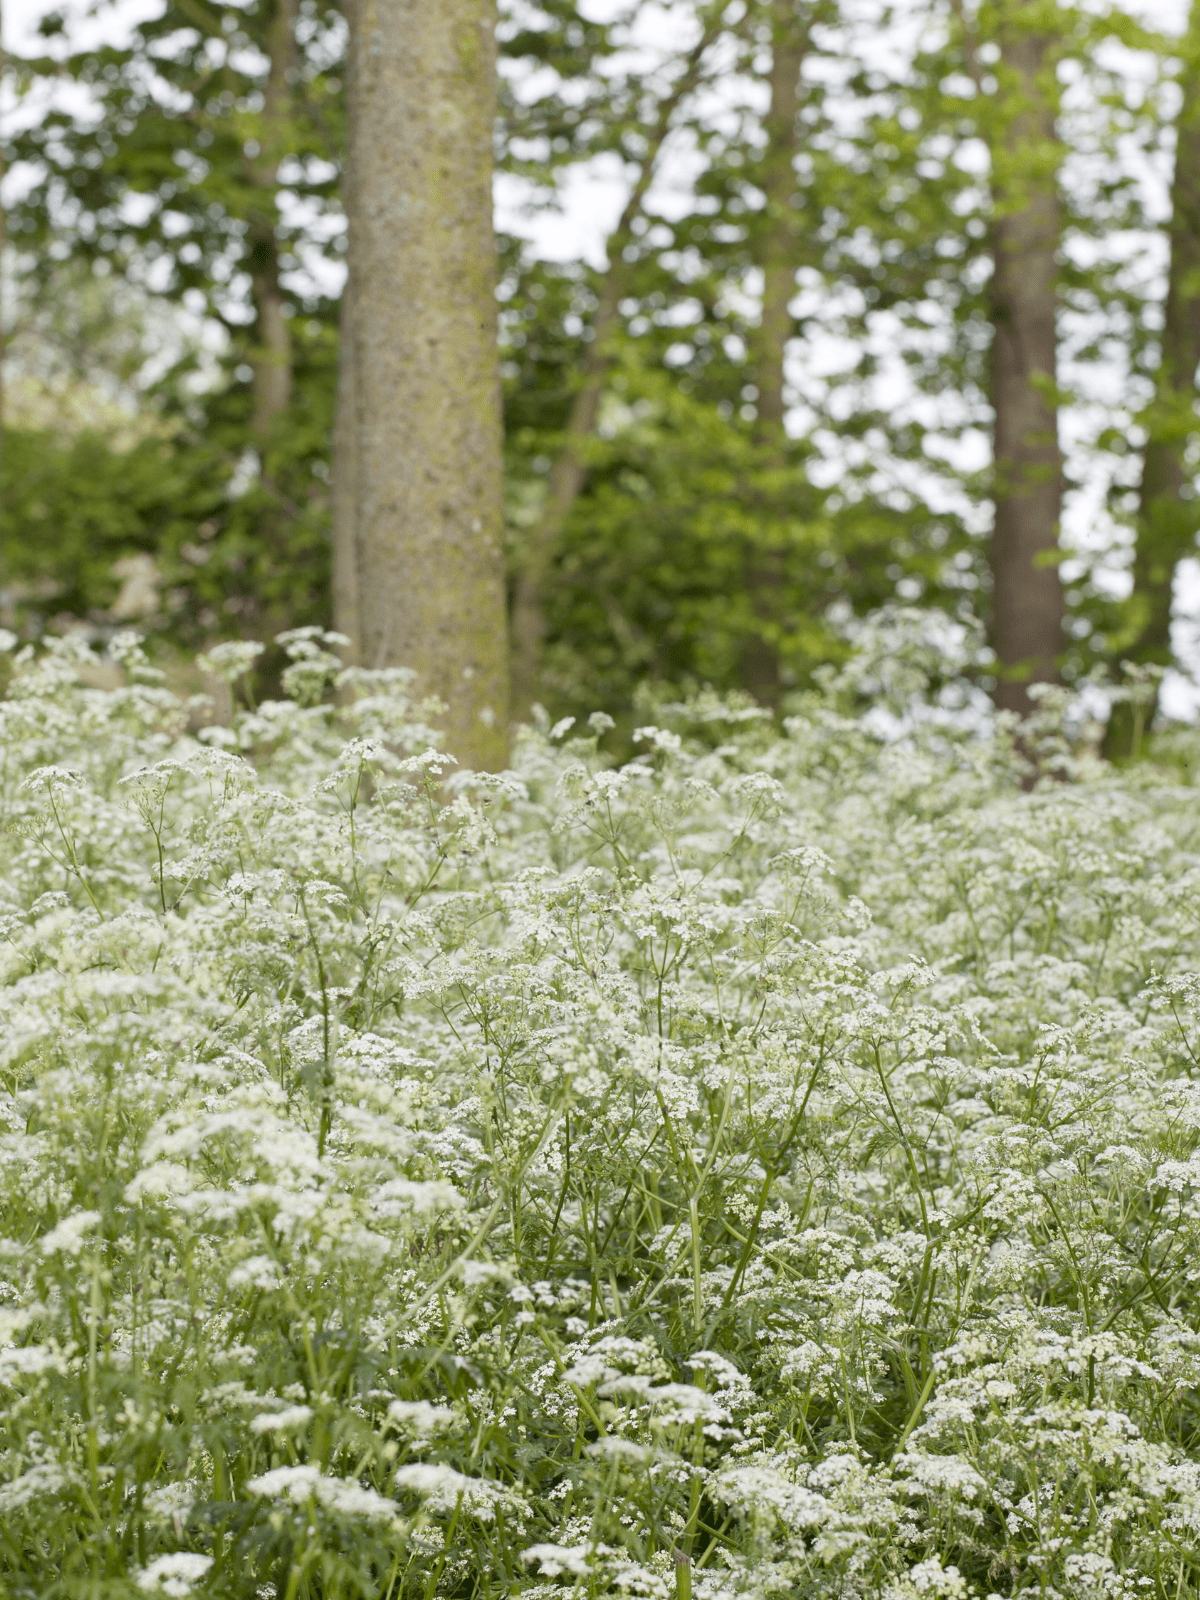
766, 1166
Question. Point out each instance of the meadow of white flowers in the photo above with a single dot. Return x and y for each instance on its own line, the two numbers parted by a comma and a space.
765, 1168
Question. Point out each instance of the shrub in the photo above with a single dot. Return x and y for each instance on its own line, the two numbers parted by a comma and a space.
766, 1167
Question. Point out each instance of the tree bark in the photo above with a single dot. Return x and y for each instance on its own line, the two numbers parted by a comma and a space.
345, 525
776, 260
3, 247
421, 439
566, 479
272, 357
568, 474
777, 245
346, 617
1168, 511
1027, 598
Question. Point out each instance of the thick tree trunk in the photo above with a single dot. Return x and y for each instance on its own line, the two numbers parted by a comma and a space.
272, 357
569, 471
1168, 512
776, 260
1027, 598
423, 440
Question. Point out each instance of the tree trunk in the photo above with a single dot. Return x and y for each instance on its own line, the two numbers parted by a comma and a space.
569, 471
272, 357
3, 246
566, 479
423, 439
777, 245
1027, 599
345, 524
776, 260
1168, 512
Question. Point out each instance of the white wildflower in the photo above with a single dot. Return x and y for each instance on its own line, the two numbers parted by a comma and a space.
174, 1574
555, 1559
68, 1237
613, 1448
341, 1496
949, 1473
755, 1490
255, 1272
442, 1489
281, 1421
420, 1417
171, 1500
42, 1481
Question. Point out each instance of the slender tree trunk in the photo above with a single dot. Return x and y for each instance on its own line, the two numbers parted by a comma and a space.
345, 434
1168, 512
567, 477
423, 441
3, 247
569, 471
345, 525
776, 259
1027, 598
777, 245
272, 358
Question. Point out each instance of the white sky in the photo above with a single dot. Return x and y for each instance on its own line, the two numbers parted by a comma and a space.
592, 199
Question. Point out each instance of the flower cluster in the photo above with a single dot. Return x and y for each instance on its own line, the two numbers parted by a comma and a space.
768, 1166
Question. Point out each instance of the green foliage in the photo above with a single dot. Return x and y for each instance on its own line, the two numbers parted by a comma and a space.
76, 505
163, 179
75, 508
165, 185
764, 1168
684, 506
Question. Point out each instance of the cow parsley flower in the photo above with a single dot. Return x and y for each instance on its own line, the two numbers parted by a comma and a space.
341, 1496
175, 1575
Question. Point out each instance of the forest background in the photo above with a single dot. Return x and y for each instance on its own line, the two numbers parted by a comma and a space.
745, 343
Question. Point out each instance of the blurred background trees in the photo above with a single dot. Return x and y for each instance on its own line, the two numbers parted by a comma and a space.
852, 300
